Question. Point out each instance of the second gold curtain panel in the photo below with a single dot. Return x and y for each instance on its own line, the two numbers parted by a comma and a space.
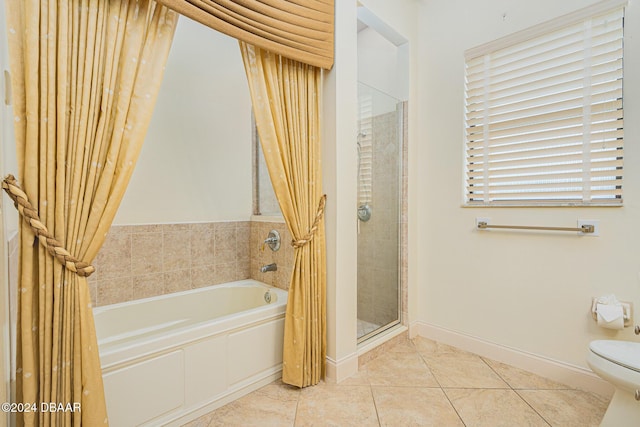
286, 98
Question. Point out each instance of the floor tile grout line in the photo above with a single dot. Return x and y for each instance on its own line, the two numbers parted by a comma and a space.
534, 409
295, 415
426, 364
496, 372
438, 382
375, 406
514, 390
453, 406
510, 387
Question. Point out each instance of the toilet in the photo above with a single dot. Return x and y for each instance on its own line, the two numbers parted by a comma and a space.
618, 362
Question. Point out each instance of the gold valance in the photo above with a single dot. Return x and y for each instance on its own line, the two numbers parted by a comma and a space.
297, 29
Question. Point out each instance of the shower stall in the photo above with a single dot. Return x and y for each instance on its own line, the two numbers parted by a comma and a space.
379, 209
381, 205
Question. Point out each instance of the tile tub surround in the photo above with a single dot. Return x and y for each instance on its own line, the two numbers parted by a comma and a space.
141, 261
418, 382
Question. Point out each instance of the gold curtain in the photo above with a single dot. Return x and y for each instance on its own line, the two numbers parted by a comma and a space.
85, 76
298, 29
286, 98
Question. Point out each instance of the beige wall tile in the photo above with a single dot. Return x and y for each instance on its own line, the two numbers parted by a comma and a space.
224, 273
111, 291
176, 250
146, 253
148, 285
114, 258
225, 244
202, 244
177, 281
202, 276
165, 258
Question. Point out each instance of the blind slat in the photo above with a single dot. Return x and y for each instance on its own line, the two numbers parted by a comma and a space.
607, 70
544, 185
549, 195
475, 148
546, 151
598, 101
610, 88
555, 133
557, 119
600, 174
564, 158
549, 169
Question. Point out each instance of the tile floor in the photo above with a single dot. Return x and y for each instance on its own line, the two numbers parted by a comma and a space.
418, 383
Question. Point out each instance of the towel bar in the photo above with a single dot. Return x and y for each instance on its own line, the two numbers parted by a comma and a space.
586, 228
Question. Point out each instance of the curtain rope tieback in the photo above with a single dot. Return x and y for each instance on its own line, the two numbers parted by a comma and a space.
30, 215
316, 222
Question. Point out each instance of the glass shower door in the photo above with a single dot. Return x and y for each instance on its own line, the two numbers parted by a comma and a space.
379, 145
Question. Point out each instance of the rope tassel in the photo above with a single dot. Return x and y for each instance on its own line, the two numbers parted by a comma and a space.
316, 222
30, 215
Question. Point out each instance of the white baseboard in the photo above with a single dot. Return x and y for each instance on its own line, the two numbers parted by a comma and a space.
339, 370
571, 375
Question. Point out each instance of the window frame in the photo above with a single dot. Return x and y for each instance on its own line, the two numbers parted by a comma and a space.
481, 182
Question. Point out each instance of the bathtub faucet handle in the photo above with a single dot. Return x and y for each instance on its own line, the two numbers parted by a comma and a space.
272, 240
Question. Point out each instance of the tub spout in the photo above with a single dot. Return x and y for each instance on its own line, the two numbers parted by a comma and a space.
268, 267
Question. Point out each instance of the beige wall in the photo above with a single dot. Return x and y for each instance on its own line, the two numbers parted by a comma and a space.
195, 164
525, 290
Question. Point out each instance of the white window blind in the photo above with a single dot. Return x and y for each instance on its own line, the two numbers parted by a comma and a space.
544, 115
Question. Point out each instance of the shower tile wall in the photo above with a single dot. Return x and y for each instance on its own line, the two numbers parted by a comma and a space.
378, 240
147, 260
404, 217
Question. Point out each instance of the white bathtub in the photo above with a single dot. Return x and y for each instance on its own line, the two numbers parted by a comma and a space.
169, 359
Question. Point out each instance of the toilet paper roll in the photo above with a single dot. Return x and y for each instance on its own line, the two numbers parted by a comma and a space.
610, 316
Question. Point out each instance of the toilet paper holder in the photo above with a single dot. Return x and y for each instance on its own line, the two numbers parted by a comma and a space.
627, 309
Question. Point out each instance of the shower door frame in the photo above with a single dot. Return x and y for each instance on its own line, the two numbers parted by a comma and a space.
401, 115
